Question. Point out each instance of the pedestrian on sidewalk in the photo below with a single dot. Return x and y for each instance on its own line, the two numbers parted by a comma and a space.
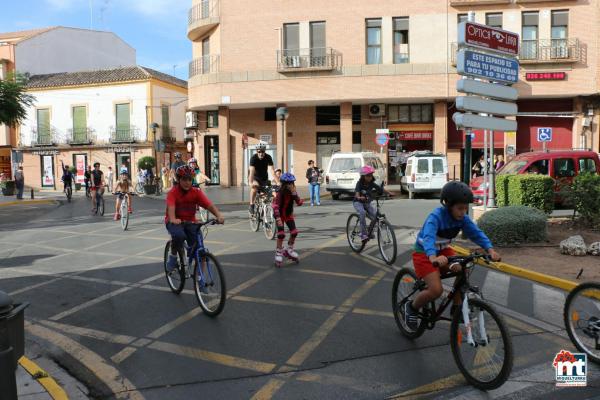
176, 164
165, 177
20, 182
314, 178
109, 179
283, 211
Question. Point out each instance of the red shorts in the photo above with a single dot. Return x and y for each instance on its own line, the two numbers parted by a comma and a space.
423, 266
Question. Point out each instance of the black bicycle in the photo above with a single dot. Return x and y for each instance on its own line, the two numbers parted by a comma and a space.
479, 339
68, 192
386, 237
582, 318
99, 209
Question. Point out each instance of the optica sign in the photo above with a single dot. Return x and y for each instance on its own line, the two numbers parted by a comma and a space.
486, 37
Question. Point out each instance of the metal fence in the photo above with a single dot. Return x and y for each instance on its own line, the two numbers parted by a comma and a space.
80, 136
204, 65
43, 136
204, 9
124, 135
317, 58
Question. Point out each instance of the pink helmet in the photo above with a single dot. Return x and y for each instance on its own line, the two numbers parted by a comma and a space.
367, 170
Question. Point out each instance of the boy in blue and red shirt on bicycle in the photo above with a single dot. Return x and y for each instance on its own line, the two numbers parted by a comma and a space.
182, 203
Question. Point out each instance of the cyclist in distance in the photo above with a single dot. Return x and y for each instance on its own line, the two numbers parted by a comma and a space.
363, 198
67, 177
260, 165
123, 186
96, 183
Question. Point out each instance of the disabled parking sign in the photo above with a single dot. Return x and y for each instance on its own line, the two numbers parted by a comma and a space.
544, 134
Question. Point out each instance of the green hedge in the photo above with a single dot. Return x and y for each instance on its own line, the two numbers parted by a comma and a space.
513, 225
526, 190
585, 196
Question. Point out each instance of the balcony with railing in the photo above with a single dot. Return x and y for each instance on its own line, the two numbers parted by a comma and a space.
169, 134
79, 136
555, 51
313, 59
204, 65
202, 17
542, 51
43, 136
124, 135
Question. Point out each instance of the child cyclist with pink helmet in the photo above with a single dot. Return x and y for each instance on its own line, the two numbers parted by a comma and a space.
363, 198
283, 211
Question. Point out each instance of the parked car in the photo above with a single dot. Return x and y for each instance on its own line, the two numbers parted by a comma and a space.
343, 171
562, 166
425, 173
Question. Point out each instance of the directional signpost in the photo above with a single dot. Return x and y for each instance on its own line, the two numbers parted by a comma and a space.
487, 54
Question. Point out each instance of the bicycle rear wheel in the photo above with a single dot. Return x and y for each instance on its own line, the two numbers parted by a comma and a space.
386, 239
269, 222
139, 188
582, 318
486, 364
209, 286
176, 277
69, 194
405, 289
353, 233
124, 213
100, 205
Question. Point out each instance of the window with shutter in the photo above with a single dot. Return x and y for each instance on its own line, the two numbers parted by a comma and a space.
43, 125
123, 128
79, 123
166, 130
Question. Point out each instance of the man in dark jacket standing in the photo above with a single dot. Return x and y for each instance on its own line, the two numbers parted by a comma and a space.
313, 176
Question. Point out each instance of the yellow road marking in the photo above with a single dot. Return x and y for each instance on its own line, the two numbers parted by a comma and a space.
268, 390
366, 311
218, 358
315, 340
91, 333
284, 303
174, 324
47, 382
123, 354
110, 376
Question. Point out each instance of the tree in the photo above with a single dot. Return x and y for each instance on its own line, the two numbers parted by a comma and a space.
14, 100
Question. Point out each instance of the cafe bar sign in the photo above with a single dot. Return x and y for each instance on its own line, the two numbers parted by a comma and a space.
414, 135
545, 76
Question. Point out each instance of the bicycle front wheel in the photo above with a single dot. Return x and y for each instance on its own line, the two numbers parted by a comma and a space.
269, 225
124, 214
486, 362
582, 318
404, 290
353, 233
100, 205
209, 285
386, 239
255, 219
175, 277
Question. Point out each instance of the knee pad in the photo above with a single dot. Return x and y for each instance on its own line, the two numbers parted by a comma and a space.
294, 233
280, 235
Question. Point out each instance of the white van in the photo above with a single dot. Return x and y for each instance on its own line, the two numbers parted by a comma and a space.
343, 171
425, 173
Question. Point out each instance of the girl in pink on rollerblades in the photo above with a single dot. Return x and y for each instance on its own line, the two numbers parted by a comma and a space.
283, 210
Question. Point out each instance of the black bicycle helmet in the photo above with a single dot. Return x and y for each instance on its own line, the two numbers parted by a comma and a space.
456, 192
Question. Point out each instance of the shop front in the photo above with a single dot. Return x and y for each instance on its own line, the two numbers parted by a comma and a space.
403, 141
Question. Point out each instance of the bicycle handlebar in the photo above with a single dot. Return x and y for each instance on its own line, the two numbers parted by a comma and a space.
119, 193
464, 260
211, 221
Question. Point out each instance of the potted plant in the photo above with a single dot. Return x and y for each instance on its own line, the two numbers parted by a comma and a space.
148, 163
7, 186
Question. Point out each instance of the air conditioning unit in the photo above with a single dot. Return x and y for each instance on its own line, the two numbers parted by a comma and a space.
191, 119
586, 122
376, 110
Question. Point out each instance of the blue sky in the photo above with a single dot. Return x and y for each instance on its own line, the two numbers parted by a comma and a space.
155, 28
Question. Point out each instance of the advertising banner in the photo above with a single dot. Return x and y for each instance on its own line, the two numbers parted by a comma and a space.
47, 171
80, 167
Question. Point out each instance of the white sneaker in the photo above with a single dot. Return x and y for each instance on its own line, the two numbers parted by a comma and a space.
278, 257
291, 253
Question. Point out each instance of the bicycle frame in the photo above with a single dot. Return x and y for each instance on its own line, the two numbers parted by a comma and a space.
195, 252
461, 285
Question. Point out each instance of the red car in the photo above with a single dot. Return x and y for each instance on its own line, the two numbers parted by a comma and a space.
563, 166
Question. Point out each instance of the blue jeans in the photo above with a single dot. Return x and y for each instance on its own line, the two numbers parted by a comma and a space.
362, 209
20, 187
315, 193
179, 234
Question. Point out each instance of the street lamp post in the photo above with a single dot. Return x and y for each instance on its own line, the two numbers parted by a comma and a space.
282, 115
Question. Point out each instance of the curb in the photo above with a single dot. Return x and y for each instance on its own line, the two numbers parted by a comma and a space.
524, 273
42, 377
20, 202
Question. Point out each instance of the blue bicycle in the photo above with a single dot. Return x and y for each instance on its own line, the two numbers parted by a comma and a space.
203, 267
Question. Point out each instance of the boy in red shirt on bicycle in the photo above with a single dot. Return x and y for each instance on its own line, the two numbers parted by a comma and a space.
182, 202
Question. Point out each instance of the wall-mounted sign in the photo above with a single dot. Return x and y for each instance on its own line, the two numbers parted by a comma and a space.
415, 135
486, 37
382, 139
45, 152
487, 66
545, 76
80, 166
118, 149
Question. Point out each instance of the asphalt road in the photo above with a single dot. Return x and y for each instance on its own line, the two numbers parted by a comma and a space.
321, 329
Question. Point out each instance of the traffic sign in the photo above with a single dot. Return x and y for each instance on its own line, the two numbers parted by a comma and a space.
544, 134
463, 121
383, 131
382, 139
487, 66
478, 105
488, 38
487, 89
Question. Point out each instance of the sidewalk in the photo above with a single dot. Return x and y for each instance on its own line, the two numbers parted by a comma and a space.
44, 197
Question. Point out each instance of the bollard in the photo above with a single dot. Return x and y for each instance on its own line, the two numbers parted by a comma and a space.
8, 379
32, 193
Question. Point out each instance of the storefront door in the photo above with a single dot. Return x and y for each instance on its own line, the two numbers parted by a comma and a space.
123, 159
47, 171
327, 144
80, 162
212, 159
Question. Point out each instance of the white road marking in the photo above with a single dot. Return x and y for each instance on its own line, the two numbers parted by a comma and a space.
548, 304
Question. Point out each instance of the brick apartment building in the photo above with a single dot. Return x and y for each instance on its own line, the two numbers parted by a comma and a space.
346, 67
